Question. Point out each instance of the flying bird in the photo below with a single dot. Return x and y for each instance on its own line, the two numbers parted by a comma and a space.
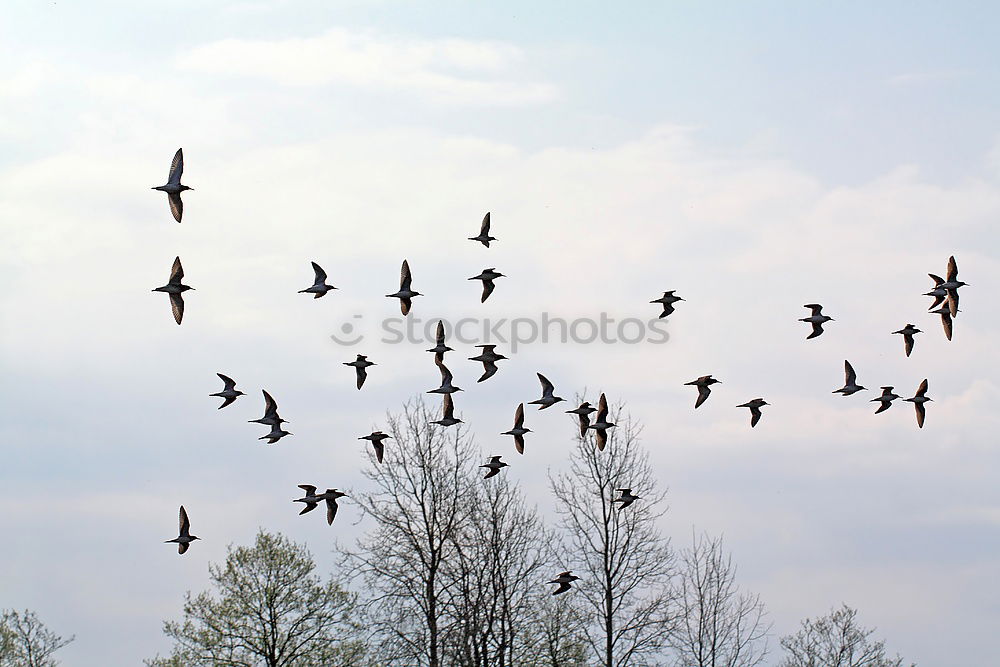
885, 399
449, 418
184, 538
816, 319
518, 431
484, 232
626, 498
755, 405
276, 434
319, 287
583, 413
494, 465
229, 393
270, 417
488, 276
951, 285
704, 384
376, 438
312, 499
360, 365
440, 348
173, 187
564, 580
489, 359
918, 401
946, 321
851, 385
446, 377
548, 399
405, 294
939, 293
174, 288
668, 300
601, 423
908, 332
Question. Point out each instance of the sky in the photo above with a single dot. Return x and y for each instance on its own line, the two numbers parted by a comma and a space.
752, 156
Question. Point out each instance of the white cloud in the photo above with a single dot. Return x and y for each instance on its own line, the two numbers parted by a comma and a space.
453, 71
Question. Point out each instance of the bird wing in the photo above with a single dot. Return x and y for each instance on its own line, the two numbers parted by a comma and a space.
946, 323
379, 450
883, 407
953, 302
490, 472
484, 229
227, 401
703, 392
308, 488
602, 409
754, 416
176, 272
849, 374
185, 523
490, 369
584, 424
919, 407
331, 510
176, 205
182, 547
362, 375
446, 376
270, 405
519, 443
439, 333
177, 305
816, 308
404, 277
922, 389
404, 305
601, 438
320, 274
547, 387
488, 287
563, 587
308, 508
519, 416
908, 343
229, 382
449, 407
176, 167
817, 330
937, 279
952, 269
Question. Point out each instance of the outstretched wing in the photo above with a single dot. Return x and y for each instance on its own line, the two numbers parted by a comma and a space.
439, 334
952, 269
185, 523
176, 205
519, 416
176, 272
176, 168
177, 305
602, 409
320, 274
449, 407
849, 373
484, 229
488, 287
308, 488
703, 392
331, 510
270, 405
547, 387
446, 376
405, 278
229, 382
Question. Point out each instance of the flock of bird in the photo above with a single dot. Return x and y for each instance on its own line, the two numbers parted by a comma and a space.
945, 293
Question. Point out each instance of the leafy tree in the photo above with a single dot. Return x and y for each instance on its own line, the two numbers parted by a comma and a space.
836, 640
26, 642
268, 609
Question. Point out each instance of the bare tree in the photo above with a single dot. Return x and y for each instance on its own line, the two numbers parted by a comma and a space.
836, 640
719, 625
26, 642
270, 610
624, 562
420, 501
501, 555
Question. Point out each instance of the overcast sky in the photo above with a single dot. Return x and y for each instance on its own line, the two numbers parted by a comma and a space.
752, 159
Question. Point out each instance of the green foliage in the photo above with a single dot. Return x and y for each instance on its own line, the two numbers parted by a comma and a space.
269, 609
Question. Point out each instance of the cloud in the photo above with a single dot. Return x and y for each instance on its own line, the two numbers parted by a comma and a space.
450, 71
928, 77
